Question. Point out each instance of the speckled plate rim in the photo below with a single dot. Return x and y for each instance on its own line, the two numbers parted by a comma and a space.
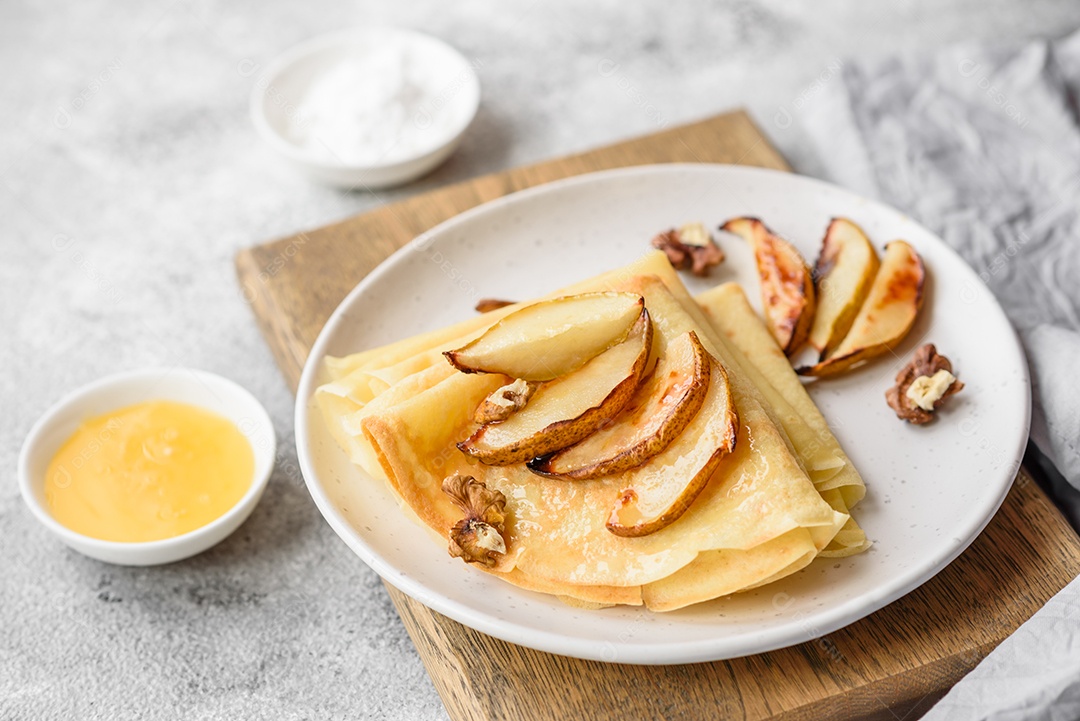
818, 623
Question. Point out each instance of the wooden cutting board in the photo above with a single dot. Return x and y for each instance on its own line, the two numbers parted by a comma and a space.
891, 665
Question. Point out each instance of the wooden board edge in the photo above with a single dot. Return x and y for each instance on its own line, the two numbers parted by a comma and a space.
264, 306
771, 150
906, 695
451, 681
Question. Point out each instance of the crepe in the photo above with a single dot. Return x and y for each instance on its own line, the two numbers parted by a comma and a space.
766, 512
730, 314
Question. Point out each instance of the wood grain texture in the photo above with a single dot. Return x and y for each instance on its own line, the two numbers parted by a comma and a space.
891, 665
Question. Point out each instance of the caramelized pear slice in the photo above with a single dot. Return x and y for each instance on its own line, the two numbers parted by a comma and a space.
663, 405
567, 409
655, 495
787, 287
552, 338
844, 273
885, 317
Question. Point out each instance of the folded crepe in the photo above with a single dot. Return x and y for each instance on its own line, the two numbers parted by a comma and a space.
730, 314
781, 498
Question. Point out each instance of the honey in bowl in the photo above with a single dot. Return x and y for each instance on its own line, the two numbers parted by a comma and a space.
149, 471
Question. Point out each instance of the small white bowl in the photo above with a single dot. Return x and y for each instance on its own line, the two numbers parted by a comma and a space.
184, 385
276, 104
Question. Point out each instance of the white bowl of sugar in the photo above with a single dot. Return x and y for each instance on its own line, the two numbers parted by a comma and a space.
366, 108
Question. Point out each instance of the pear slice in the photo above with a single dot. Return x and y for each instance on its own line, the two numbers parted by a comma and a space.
885, 317
656, 494
552, 338
787, 286
663, 405
843, 275
567, 409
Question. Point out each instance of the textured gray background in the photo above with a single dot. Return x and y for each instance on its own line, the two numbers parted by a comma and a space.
130, 175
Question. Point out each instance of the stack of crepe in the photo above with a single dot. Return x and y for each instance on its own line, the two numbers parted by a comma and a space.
779, 500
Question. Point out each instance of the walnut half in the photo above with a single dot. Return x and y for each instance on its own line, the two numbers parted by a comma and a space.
922, 386
477, 538
690, 247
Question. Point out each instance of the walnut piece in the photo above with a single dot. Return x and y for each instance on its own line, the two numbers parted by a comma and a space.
922, 386
690, 247
504, 402
486, 305
477, 538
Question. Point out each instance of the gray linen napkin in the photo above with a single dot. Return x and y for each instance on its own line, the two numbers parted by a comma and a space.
983, 146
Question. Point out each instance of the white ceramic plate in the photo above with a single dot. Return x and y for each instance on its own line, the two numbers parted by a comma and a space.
931, 490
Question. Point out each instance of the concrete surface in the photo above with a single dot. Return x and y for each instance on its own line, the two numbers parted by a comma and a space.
130, 175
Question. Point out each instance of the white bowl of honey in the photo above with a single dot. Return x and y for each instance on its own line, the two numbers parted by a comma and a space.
148, 467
